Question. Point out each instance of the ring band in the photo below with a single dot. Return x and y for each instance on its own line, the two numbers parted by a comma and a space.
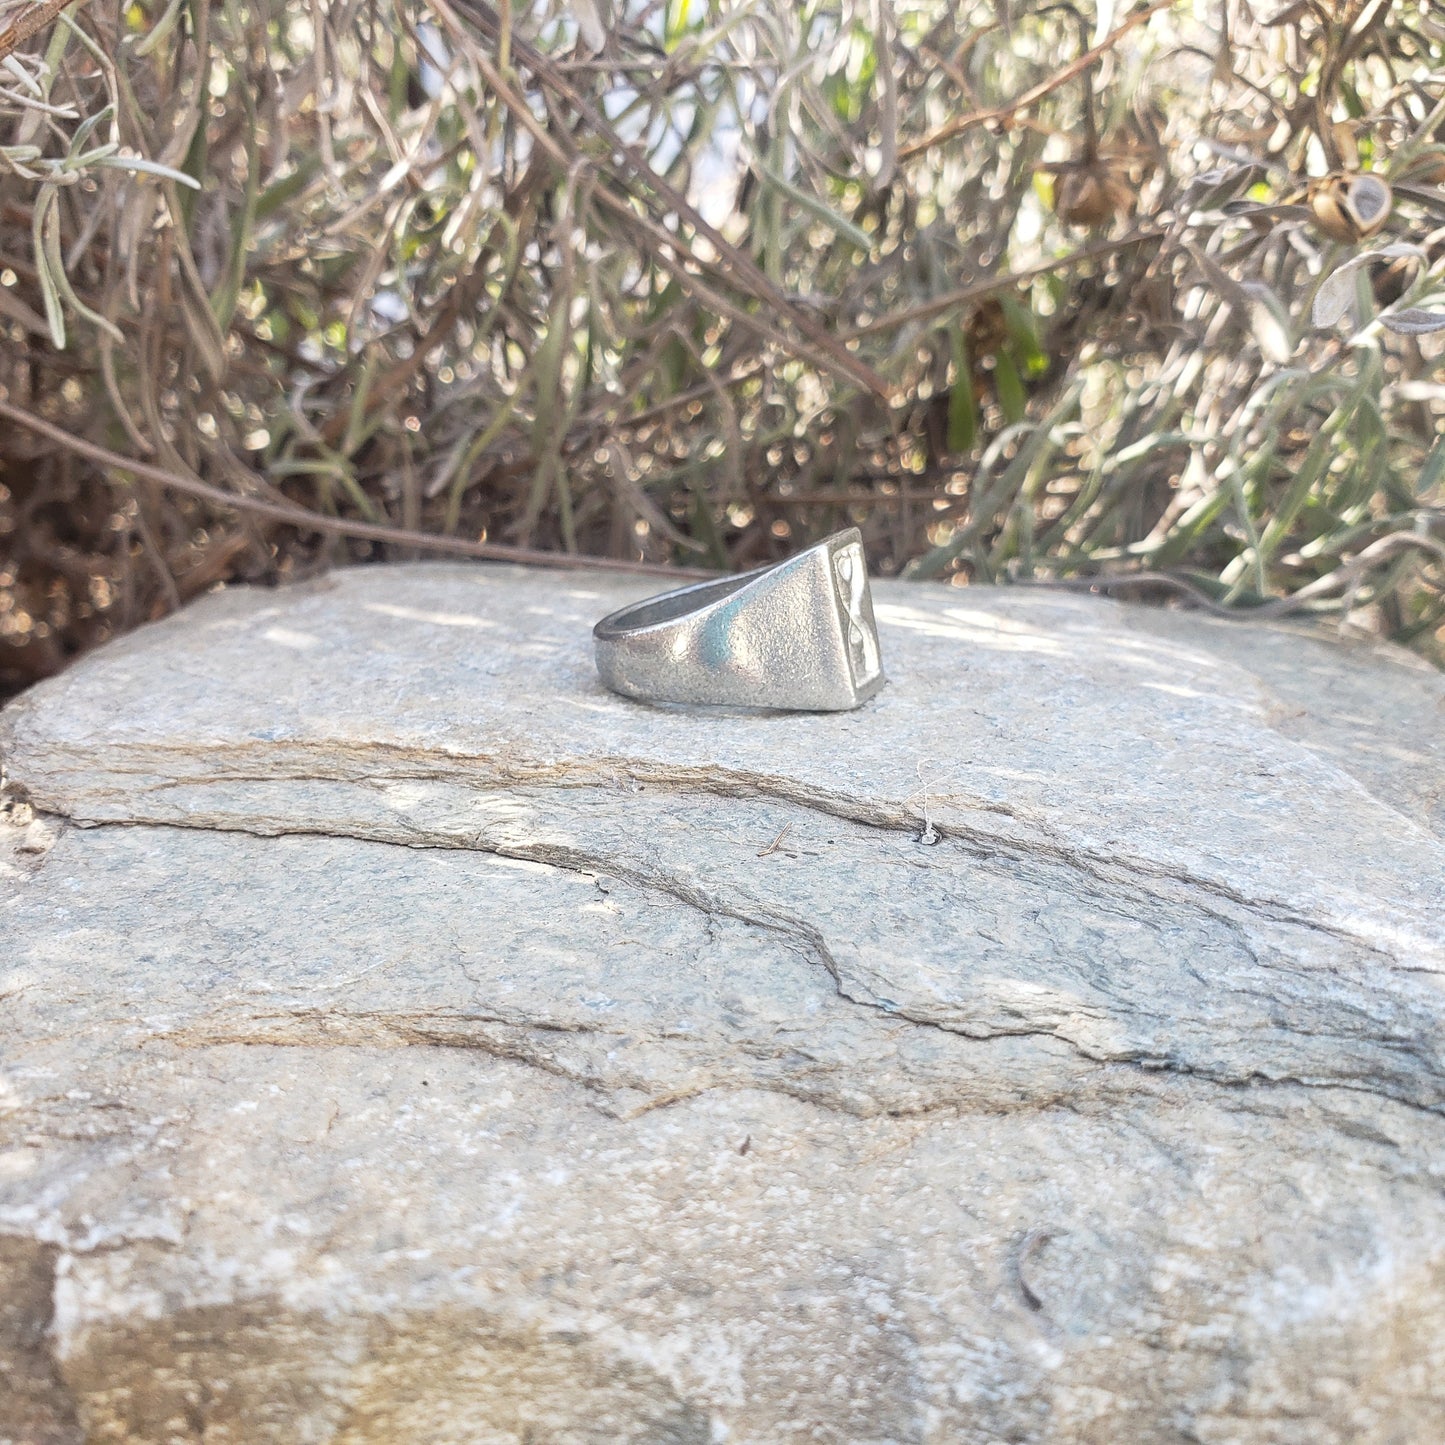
798, 635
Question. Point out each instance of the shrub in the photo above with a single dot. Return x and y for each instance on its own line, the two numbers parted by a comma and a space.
1026, 293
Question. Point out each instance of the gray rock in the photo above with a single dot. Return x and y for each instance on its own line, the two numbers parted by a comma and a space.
410, 1041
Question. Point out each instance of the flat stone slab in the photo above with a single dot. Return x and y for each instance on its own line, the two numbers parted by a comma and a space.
412, 1041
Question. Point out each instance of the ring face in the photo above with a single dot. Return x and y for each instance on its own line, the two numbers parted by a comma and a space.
799, 635
850, 575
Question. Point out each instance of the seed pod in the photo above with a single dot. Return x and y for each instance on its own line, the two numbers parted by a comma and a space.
1394, 278
1368, 199
987, 328
1350, 208
1091, 195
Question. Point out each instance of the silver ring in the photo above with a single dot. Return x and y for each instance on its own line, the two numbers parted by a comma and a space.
798, 635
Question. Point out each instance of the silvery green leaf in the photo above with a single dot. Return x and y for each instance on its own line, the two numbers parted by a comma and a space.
49, 260
1335, 296
91, 157
590, 24
151, 168
160, 29
1220, 187
60, 112
54, 316
22, 75
86, 129
1336, 292
1269, 321
1413, 321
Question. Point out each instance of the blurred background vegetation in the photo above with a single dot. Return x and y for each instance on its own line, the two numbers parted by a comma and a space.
1145, 293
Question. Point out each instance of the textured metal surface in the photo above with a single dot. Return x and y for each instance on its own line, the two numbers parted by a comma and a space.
799, 635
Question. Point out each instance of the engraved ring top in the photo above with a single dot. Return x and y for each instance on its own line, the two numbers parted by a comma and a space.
798, 635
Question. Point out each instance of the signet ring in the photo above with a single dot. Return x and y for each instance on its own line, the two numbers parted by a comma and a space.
798, 635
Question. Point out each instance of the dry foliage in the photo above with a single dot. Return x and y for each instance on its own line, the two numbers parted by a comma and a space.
1026, 292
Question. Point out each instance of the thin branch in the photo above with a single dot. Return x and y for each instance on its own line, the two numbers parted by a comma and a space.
1343, 577
1009, 280
959, 124
630, 158
34, 20
306, 520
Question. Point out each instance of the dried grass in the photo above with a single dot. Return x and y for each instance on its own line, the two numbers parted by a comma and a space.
1027, 293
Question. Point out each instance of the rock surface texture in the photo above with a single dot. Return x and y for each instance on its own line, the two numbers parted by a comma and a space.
408, 1042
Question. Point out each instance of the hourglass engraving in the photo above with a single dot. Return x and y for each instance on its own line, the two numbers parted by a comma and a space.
851, 578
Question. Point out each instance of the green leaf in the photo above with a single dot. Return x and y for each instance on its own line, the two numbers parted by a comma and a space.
274, 197
194, 165
848, 91
962, 403
1023, 335
673, 365
676, 24
1012, 398
397, 79
1433, 470
223, 300
160, 30
663, 299
810, 203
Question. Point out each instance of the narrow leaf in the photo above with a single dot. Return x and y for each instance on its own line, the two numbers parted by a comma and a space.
962, 404
151, 168
1413, 321
810, 203
1336, 292
1011, 396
